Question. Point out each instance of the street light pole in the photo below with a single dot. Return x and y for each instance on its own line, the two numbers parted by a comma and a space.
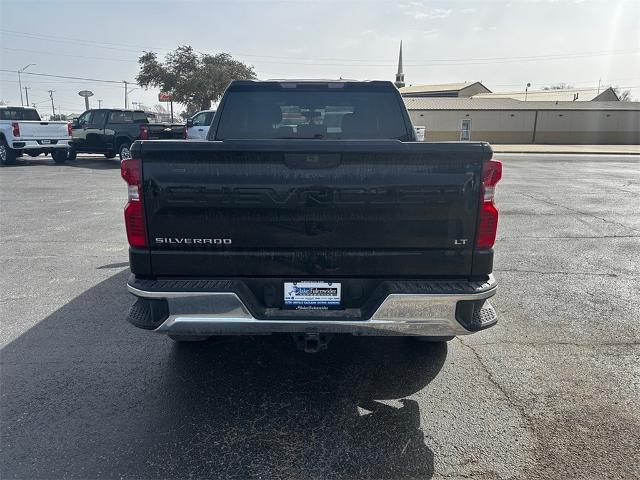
26, 93
526, 90
126, 99
20, 82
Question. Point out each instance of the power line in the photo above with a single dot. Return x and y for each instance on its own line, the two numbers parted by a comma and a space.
49, 53
307, 59
68, 77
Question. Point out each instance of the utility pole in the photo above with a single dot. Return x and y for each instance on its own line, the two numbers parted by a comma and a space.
26, 93
99, 103
126, 99
599, 81
53, 108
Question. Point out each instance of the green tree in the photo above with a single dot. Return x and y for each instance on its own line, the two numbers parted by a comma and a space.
191, 78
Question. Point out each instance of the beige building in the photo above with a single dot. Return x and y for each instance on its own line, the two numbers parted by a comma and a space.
507, 121
463, 89
560, 95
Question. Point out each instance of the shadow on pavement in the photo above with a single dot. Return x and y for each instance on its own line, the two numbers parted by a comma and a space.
98, 162
85, 395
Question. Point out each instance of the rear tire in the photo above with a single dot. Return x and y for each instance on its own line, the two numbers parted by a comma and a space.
7, 155
71, 154
124, 150
188, 338
60, 156
434, 339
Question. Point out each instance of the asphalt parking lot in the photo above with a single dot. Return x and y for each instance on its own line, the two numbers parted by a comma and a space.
553, 391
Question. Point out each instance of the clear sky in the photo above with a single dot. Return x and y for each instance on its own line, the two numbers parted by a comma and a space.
504, 44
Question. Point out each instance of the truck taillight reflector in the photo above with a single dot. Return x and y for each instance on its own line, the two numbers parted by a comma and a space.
15, 129
134, 209
488, 213
69, 129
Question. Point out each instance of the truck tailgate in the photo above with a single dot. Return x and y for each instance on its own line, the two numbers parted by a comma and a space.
309, 209
165, 131
34, 130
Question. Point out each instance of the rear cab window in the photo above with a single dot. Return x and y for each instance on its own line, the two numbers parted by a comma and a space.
121, 117
312, 111
18, 114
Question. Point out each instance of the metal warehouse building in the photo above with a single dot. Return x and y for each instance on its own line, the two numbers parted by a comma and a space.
509, 121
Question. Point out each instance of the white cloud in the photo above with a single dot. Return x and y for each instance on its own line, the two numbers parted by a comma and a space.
433, 13
467, 11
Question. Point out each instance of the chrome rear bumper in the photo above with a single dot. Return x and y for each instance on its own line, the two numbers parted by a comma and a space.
224, 313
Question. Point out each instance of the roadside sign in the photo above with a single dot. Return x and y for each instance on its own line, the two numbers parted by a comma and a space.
164, 97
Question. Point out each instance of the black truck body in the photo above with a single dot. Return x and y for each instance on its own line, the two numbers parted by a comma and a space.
225, 230
111, 131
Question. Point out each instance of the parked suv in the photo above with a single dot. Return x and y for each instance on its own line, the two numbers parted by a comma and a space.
112, 131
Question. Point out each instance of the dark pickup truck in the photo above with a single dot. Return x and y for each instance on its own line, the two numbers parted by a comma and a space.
311, 210
112, 131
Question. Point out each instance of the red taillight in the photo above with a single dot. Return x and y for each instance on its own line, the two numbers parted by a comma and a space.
144, 132
15, 128
134, 210
69, 129
488, 213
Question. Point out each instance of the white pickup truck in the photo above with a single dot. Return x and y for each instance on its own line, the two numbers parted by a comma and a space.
22, 131
198, 125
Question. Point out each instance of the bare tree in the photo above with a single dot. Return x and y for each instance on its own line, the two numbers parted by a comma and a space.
623, 95
558, 86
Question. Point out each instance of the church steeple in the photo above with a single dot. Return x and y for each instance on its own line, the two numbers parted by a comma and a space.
400, 75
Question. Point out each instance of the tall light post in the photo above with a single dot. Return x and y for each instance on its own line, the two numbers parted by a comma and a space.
126, 93
20, 81
526, 90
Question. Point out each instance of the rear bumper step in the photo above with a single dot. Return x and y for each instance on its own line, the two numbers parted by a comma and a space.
221, 307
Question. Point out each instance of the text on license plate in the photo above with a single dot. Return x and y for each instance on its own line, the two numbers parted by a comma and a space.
312, 295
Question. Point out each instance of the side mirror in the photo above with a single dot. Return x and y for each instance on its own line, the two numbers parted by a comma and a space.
189, 122
75, 124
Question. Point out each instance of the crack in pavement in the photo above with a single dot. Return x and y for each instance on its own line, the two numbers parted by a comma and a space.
515, 405
560, 272
549, 202
570, 344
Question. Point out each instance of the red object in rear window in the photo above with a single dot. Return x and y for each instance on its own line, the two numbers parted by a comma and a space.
144, 132
488, 213
134, 218
15, 129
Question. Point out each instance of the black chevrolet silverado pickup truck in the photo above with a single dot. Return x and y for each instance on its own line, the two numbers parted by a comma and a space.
112, 131
311, 210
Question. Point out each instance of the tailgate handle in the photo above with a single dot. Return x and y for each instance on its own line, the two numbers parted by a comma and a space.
312, 160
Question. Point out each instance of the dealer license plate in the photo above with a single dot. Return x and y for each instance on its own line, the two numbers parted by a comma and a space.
312, 295
45, 142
